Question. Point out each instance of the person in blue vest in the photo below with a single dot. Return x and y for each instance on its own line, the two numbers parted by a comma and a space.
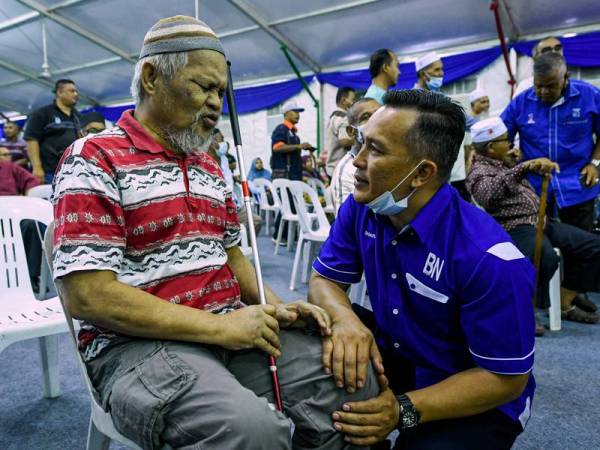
450, 292
557, 119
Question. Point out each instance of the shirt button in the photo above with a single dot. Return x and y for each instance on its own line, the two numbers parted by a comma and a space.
394, 242
395, 311
394, 276
396, 345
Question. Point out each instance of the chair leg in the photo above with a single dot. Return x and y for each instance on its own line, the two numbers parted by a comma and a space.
555, 319
50, 365
267, 222
307, 260
297, 257
291, 236
279, 233
96, 440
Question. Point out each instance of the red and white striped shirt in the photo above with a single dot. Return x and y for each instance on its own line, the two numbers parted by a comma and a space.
160, 221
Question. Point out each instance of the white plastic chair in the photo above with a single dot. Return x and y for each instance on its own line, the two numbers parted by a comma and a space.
244, 245
555, 310
21, 315
101, 428
310, 230
317, 185
262, 185
280, 190
43, 191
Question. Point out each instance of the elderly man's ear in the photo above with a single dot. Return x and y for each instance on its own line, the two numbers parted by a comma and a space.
149, 78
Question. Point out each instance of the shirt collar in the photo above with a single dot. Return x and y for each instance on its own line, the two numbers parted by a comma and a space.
289, 125
430, 216
139, 137
477, 157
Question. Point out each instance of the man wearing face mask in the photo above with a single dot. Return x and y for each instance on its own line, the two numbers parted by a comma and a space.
451, 294
430, 72
558, 119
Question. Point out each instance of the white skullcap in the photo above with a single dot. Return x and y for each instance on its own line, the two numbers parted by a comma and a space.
476, 95
487, 130
291, 105
426, 59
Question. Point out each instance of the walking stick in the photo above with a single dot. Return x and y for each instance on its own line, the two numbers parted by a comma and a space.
539, 237
237, 140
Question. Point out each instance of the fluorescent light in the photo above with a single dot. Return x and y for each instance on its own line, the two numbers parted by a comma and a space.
569, 35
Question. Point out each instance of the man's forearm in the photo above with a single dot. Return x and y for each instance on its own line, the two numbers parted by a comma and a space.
99, 298
33, 151
246, 276
596, 151
330, 296
466, 393
286, 148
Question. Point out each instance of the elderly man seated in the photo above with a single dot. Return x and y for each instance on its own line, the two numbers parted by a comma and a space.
498, 183
145, 253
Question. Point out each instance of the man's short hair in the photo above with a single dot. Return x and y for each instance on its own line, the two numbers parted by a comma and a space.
379, 58
547, 64
7, 121
342, 93
439, 129
352, 113
60, 83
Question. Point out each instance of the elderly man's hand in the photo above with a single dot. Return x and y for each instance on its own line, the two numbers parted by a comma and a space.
347, 353
251, 327
370, 421
542, 166
301, 314
589, 175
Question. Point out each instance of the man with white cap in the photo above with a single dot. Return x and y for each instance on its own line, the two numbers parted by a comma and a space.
480, 106
498, 183
430, 72
286, 156
146, 253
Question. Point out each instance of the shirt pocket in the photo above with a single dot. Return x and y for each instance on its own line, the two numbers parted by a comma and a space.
576, 130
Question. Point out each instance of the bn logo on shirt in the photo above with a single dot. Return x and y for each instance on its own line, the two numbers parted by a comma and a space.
433, 266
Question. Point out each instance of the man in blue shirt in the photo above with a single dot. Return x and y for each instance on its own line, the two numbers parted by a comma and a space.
385, 70
451, 294
557, 119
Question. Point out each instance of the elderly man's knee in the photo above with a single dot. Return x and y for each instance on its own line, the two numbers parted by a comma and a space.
258, 426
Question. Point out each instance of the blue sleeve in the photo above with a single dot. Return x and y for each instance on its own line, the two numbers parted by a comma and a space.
339, 259
509, 117
497, 314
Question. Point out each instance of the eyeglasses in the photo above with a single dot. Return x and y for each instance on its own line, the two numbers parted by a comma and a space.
557, 48
510, 144
94, 130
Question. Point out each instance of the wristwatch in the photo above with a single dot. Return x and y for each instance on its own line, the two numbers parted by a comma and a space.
409, 416
595, 163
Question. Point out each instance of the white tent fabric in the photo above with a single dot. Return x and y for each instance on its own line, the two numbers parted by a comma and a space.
96, 42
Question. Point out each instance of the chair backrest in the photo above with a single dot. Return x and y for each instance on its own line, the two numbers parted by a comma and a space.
319, 186
263, 185
42, 191
14, 273
300, 191
281, 187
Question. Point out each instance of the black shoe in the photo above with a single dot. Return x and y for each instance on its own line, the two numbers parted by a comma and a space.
582, 301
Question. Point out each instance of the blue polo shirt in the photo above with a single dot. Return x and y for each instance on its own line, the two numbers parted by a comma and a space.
449, 292
563, 132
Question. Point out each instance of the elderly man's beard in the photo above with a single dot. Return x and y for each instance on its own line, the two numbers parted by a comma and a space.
188, 141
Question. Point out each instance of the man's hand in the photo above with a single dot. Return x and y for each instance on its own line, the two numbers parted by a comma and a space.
590, 175
299, 314
306, 146
370, 421
512, 157
542, 166
251, 327
347, 352
38, 172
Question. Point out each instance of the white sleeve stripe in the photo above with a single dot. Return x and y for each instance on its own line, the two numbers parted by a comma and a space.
506, 251
509, 373
329, 278
503, 359
336, 270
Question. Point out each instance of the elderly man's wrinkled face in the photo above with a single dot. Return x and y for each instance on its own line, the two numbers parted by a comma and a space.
191, 102
550, 88
383, 160
481, 105
11, 130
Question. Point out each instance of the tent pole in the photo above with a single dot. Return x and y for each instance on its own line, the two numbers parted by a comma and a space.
494, 6
284, 49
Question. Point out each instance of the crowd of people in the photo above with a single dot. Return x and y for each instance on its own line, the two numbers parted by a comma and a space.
435, 207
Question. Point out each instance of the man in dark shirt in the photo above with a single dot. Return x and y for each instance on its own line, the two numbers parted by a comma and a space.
499, 185
286, 160
51, 129
16, 146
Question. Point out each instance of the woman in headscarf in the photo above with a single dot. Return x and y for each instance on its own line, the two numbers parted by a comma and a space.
257, 170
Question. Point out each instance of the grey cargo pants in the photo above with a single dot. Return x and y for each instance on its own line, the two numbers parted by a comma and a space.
199, 397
